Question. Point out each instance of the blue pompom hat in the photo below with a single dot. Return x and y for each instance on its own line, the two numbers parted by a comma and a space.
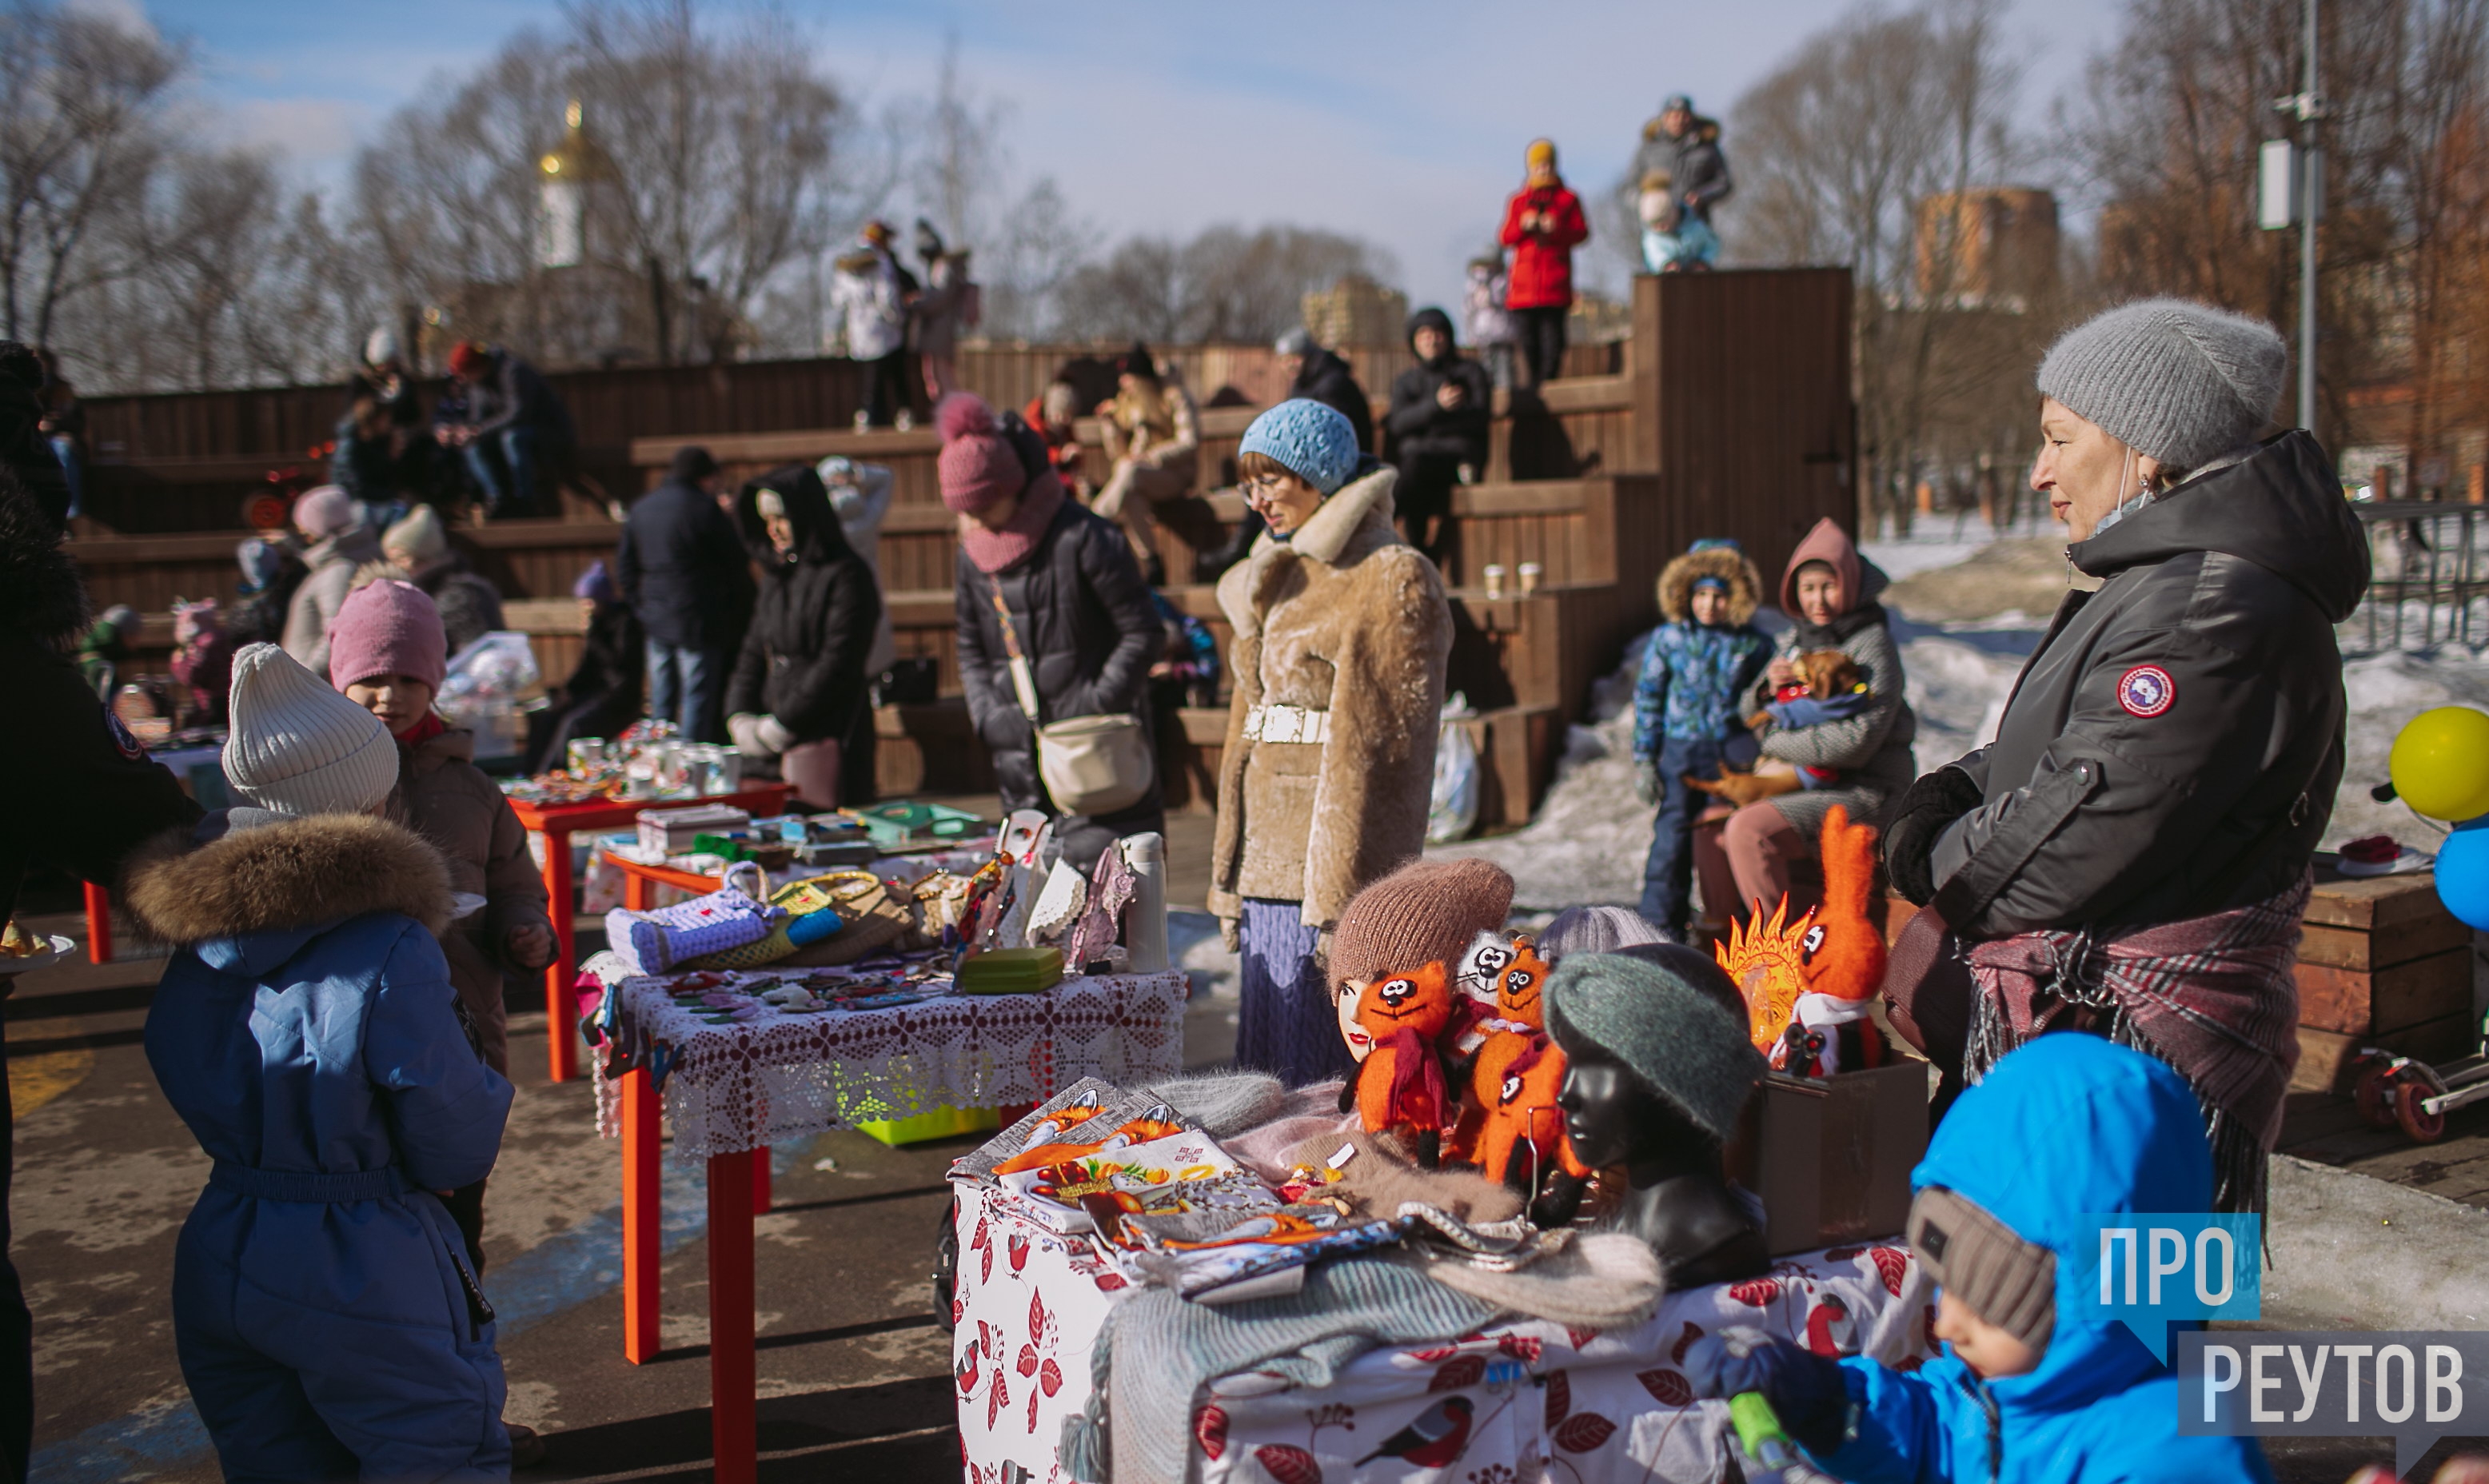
1314, 441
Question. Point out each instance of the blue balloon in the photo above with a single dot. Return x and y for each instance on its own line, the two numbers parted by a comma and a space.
2463, 875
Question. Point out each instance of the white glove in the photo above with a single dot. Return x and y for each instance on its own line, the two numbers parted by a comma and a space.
745, 728
773, 735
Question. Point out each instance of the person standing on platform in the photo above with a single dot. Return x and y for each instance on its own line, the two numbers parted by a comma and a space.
1684, 146
685, 573
1542, 224
870, 292
1341, 639
1439, 425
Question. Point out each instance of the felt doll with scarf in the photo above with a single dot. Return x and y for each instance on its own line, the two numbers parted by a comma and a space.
1399, 1087
1514, 1082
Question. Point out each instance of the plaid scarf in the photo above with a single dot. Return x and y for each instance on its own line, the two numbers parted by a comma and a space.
2213, 996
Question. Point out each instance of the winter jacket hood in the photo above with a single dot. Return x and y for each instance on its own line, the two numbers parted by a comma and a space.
2280, 508
1331, 380
1727, 563
1434, 319
818, 535
1862, 582
2066, 1126
818, 609
242, 895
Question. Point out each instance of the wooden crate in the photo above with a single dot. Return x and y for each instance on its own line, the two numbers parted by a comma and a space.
2381, 963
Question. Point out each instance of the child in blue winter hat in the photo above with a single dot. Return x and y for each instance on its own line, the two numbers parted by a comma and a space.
1686, 718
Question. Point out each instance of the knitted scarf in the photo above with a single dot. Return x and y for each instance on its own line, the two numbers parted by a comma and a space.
993, 551
1417, 1080
2213, 996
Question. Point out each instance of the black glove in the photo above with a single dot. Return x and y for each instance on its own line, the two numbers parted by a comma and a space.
1910, 830
1806, 1390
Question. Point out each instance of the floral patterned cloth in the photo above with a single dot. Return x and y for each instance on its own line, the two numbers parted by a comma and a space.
1508, 1403
782, 1077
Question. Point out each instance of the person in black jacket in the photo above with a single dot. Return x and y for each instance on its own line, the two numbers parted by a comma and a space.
604, 692
1438, 423
1320, 376
684, 571
515, 426
2131, 853
80, 792
1078, 613
800, 682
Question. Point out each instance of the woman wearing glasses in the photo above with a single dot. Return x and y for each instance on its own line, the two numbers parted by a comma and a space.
1341, 636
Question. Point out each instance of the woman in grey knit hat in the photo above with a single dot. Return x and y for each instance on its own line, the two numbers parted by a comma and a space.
2132, 855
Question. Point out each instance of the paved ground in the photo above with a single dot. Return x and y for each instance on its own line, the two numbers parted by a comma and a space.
854, 1372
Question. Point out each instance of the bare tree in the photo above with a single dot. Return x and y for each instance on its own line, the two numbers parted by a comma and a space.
1841, 150
1225, 283
82, 106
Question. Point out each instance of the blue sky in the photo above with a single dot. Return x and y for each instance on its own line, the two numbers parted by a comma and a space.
1401, 122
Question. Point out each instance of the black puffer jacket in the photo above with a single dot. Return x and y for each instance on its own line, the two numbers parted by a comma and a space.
1085, 622
803, 658
1423, 425
2173, 748
682, 569
1326, 379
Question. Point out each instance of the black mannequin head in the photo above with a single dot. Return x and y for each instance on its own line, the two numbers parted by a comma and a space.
1613, 1117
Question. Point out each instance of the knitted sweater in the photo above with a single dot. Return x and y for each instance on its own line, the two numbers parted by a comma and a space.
1692, 676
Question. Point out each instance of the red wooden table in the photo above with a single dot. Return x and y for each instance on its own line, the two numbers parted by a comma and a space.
556, 823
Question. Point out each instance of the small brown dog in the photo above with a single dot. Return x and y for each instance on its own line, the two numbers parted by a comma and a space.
1822, 674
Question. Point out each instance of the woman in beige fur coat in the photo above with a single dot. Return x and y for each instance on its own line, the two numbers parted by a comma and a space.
1342, 637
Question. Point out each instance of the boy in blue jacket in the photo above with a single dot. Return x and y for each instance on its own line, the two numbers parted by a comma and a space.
1699, 661
327, 1321
2027, 1392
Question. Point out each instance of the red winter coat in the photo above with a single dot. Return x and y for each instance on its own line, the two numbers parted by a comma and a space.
1542, 261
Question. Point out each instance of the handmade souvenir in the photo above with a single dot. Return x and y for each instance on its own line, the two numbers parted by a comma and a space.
1807, 986
1399, 1086
1515, 1082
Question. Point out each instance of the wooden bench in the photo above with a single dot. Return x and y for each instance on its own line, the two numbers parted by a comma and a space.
2381, 963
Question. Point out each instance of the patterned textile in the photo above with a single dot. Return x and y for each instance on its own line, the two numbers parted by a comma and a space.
1285, 1024
784, 1077
1032, 1310
1691, 680
2213, 996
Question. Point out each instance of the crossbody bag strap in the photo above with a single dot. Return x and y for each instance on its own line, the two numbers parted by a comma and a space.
1024, 679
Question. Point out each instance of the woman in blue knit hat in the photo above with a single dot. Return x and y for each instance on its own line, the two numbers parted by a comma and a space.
1342, 637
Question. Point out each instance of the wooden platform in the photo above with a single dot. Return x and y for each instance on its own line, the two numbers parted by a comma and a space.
1730, 416
2381, 963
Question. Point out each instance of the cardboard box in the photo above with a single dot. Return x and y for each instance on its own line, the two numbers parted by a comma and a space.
1831, 1156
673, 831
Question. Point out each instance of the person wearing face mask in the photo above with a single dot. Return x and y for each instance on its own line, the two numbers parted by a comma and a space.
799, 681
1856, 754
2168, 758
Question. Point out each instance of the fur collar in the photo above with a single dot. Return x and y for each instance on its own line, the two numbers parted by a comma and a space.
1354, 523
40, 595
296, 875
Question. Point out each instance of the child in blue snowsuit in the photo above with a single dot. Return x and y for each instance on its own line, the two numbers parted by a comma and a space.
1701, 659
328, 1322
2027, 1392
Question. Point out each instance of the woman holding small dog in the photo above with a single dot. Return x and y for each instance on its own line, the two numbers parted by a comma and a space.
1851, 748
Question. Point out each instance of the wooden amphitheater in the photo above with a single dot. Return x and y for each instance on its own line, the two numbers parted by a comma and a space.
1726, 413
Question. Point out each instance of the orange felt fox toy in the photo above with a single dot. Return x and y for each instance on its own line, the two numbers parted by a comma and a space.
1514, 1081
1808, 985
1399, 1086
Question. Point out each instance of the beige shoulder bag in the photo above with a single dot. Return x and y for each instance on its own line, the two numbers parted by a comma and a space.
1089, 764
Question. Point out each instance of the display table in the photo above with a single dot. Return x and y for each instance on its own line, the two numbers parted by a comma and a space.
1605, 1406
556, 823
731, 1090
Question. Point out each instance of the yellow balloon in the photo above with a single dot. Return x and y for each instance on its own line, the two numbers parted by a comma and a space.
2441, 763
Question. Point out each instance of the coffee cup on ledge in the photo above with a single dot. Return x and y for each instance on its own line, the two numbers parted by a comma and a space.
1494, 575
1530, 571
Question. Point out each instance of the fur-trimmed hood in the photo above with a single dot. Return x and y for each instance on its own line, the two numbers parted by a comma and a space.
40, 593
1725, 562
302, 873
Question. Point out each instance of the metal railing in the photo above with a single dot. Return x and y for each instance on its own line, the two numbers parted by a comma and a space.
2429, 569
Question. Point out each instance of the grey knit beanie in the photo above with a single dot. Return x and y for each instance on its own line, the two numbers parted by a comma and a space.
2177, 380
1676, 1036
1596, 929
2006, 1280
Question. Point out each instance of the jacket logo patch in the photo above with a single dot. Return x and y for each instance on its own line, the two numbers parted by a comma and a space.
2146, 690
123, 740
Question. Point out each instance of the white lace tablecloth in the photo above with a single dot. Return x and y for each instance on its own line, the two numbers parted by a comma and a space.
785, 1077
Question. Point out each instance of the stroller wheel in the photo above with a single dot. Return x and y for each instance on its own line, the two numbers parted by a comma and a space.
2423, 1126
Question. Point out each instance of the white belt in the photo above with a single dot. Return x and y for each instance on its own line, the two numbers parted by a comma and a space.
1286, 723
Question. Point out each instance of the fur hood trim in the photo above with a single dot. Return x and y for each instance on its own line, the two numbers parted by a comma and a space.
1730, 565
40, 593
1360, 502
301, 873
